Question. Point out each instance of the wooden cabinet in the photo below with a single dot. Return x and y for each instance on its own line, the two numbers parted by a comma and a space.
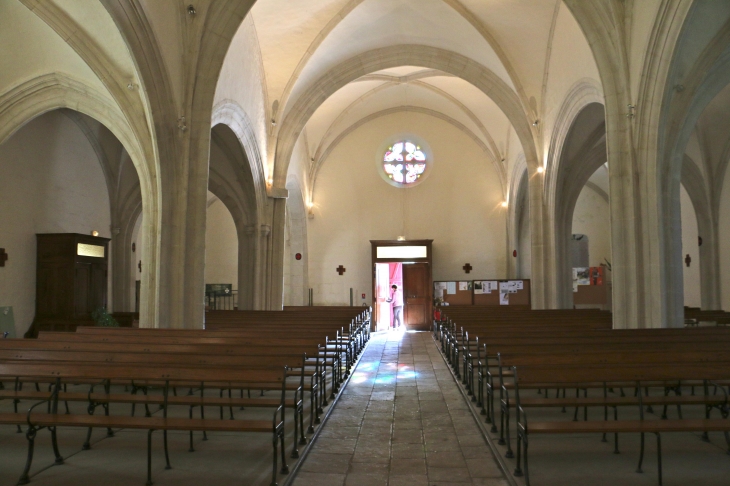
71, 280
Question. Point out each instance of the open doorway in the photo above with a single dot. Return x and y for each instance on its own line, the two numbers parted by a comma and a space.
406, 264
386, 275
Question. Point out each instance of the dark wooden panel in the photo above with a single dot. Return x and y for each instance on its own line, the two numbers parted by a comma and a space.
83, 290
416, 295
68, 286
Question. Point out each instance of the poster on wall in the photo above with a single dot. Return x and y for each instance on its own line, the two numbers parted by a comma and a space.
581, 275
493, 285
478, 289
463, 285
519, 284
595, 275
503, 286
503, 297
451, 287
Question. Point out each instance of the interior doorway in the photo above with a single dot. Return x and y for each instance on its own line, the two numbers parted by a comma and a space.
406, 264
386, 275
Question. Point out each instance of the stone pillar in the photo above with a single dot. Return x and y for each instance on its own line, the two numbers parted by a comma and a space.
122, 264
542, 279
709, 265
276, 251
262, 285
246, 267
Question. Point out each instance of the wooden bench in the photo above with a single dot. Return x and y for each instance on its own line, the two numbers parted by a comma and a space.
291, 356
122, 356
570, 375
105, 372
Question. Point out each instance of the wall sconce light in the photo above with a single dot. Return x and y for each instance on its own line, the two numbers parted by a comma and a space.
540, 170
191, 10
535, 123
270, 181
401, 238
504, 204
94, 233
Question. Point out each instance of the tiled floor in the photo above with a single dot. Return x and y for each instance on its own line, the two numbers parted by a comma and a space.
400, 421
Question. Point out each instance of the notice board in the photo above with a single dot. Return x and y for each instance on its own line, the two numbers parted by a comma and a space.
454, 292
519, 293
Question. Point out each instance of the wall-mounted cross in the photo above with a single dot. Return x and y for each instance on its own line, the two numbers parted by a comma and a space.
3, 257
340, 270
467, 268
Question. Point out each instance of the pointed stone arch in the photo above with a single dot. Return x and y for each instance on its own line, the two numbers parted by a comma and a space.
40, 95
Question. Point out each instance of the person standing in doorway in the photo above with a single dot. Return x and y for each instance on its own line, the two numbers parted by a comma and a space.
396, 297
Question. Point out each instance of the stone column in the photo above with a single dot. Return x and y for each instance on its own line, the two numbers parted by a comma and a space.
246, 267
122, 277
709, 264
276, 251
262, 284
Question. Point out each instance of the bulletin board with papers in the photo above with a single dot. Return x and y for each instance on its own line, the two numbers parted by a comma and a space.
483, 292
453, 292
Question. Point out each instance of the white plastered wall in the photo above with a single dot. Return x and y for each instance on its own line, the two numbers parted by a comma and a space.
51, 183
458, 206
221, 246
591, 217
690, 233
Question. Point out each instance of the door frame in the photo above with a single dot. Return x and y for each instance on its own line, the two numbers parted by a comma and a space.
374, 244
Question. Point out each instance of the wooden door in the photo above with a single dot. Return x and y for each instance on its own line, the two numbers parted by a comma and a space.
416, 296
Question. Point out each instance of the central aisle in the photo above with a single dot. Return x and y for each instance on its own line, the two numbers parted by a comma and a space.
400, 421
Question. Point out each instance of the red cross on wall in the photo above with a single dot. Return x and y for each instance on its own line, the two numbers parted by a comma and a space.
3, 257
340, 270
467, 268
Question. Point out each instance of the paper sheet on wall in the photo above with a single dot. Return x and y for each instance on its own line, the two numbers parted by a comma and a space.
440, 285
520, 284
450, 287
493, 285
463, 285
478, 288
503, 286
503, 298
438, 294
512, 286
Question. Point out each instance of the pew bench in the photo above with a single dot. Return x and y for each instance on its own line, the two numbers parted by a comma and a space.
104, 372
611, 376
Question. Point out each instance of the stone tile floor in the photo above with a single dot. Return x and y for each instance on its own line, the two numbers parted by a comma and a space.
400, 421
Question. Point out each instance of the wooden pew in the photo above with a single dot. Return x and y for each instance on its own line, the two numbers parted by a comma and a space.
569, 375
170, 375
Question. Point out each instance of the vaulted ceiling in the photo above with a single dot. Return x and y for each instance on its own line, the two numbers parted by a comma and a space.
302, 41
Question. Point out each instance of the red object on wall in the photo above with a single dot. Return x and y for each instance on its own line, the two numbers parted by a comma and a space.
595, 274
298, 256
514, 253
363, 296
